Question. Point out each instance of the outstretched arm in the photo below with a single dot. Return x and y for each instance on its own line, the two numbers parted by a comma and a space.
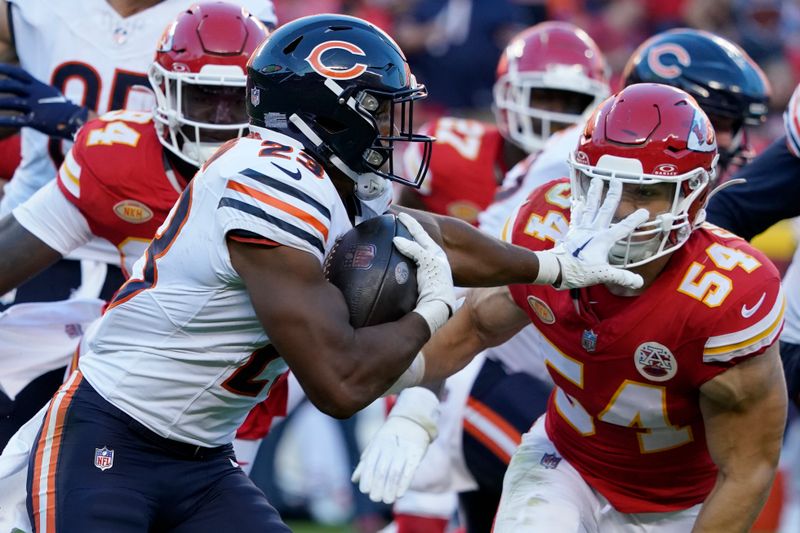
489, 317
478, 260
22, 254
744, 411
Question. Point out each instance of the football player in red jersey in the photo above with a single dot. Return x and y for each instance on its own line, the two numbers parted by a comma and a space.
669, 400
550, 76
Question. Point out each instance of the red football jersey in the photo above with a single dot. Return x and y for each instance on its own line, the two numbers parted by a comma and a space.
625, 410
116, 175
465, 170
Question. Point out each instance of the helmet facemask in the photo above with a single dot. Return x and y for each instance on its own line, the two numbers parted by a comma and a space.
198, 112
528, 125
665, 232
387, 118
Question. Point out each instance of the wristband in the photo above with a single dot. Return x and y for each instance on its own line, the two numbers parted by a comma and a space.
549, 268
411, 377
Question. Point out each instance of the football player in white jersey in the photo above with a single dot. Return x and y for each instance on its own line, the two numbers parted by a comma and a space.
231, 293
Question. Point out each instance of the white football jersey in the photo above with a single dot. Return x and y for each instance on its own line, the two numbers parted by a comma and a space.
535, 170
180, 348
95, 57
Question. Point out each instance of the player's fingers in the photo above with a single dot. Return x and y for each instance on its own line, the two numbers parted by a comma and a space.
624, 227
14, 103
367, 466
15, 72
592, 202
405, 478
416, 230
380, 474
606, 211
357, 472
626, 278
9, 85
392, 479
409, 249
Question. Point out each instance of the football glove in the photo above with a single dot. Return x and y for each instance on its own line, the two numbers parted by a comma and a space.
581, 258
391, 458
37, 105
436, 299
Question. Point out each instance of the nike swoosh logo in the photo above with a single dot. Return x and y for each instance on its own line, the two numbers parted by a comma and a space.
748, 312
52, 100
294, 175
233, 463
578, 250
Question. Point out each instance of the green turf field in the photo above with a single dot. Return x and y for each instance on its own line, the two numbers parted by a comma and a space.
310, 527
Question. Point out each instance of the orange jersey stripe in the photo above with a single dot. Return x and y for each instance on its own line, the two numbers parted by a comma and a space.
486, 441
51, 435
283, 206
498, 421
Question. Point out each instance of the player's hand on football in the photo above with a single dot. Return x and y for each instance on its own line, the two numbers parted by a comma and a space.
391, 458
436, 299
37, 105
583, 254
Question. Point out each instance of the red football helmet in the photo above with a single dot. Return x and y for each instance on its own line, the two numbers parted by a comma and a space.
552, 57
649, 134
199, 77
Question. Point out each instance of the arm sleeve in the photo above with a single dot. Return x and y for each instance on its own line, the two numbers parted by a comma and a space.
277, 210
52, 218
770, 194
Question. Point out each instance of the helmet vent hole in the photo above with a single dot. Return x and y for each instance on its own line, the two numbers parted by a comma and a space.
292, 45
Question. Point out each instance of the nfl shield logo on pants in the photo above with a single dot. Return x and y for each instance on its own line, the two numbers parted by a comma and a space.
103, 458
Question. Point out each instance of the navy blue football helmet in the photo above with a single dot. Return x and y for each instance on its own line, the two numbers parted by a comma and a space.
343, 88
723, 79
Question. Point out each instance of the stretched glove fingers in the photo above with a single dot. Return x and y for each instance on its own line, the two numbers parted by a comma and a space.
379, 481
407, 476
410, 249
626, 278
9, 85
624, 227
592, 202
393, 475
14, 103
357, 472
605, 214
416, 230
15, 72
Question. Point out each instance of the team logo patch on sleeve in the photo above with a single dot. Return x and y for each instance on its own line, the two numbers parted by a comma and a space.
133, 211
103, 458
541, 310
655, 362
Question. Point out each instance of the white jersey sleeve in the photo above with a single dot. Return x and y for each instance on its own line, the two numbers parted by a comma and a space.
536, 170
54, 220
275, 204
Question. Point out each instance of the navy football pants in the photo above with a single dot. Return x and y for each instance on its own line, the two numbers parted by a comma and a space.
150, 484
511, 402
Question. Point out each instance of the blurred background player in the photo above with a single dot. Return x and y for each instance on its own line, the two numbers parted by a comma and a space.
97, 53
550, 76
119, 181
729, 86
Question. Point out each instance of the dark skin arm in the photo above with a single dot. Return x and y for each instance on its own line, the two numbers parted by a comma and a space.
477, 259
22, 255
342, 369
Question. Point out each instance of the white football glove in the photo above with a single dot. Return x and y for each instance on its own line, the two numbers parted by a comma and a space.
582, 257
436, 299
391, 458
